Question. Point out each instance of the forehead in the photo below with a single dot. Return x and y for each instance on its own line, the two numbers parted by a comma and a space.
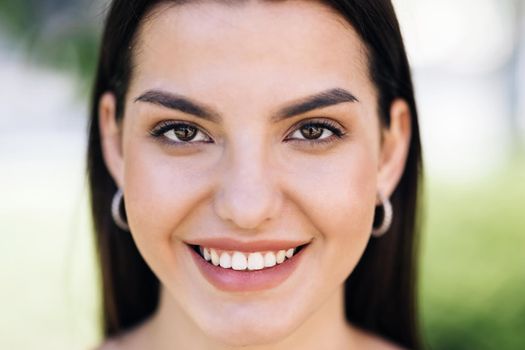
274, 44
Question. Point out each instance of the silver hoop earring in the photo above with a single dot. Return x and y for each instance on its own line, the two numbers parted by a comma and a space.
388, 214
115, 210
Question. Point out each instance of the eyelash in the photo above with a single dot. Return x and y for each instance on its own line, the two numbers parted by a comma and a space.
163, 127
337, 132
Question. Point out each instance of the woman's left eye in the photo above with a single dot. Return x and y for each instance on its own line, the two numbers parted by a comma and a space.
316, 132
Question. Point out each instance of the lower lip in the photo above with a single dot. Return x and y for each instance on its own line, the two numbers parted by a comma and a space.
230, 280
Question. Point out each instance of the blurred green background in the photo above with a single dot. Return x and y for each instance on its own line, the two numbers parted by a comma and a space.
470, 88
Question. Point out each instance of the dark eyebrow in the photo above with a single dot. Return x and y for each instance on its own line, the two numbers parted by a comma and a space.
320, 100
178, 102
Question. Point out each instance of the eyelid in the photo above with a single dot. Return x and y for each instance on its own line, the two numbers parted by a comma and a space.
338, 132
333, 126
164, 126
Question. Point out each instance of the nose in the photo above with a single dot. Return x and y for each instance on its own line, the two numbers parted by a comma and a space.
248, 195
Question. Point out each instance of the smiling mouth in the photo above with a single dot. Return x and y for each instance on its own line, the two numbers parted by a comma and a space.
246, 261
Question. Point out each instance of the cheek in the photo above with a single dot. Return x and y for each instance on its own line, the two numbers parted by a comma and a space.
339, 200
160, 196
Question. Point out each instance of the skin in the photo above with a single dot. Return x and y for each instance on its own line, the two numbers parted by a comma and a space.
245, 62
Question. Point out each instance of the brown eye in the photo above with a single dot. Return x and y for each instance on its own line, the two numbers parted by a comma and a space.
314, 131
180, 133
317, 132
311, 131
184, 132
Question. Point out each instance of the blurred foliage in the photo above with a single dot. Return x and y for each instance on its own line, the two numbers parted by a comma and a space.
16, 15
473, 271
62, 34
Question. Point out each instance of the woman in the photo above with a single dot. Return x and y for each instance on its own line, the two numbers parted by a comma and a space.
254, 171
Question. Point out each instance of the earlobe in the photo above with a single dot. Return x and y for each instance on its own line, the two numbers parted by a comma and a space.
395, 147
110, 137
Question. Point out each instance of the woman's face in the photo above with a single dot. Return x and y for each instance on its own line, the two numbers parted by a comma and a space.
249, 128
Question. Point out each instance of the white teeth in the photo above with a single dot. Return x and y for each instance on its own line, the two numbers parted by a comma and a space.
246, 261
225, 260
255, 261
214, 257
206, 254
269, 259
239, 261
281, 255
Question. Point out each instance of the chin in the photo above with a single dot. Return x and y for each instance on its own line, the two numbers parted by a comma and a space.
253, 331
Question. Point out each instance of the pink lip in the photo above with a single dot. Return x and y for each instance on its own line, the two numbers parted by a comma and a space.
255, 246
230, 280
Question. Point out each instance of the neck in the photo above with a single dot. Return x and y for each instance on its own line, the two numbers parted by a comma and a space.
171, 328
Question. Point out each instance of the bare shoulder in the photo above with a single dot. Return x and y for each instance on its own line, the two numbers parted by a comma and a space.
383, 344
126, 341
107, 345
375, 342
111, 344
136, 338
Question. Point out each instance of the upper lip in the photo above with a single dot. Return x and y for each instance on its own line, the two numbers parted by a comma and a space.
253, 246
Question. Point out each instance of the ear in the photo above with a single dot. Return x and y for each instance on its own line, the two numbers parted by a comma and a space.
110, 136
394, 148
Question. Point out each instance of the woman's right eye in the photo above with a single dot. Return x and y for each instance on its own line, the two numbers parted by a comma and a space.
180, 133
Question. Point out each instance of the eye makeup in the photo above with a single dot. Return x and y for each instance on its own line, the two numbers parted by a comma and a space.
186, 134
179, 133
334, 131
